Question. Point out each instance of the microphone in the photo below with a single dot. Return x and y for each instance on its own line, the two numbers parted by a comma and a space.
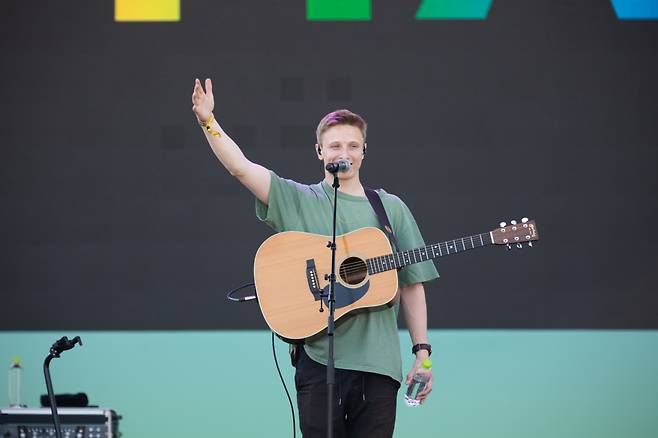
340, 166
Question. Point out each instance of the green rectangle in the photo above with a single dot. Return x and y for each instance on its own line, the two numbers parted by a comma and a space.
339, 10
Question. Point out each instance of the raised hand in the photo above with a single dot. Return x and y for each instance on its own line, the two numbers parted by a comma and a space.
203, 102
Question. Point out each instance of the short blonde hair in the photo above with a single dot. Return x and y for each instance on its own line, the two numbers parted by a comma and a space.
341, 117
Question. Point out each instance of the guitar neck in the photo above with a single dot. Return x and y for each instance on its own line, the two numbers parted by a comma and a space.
434, 251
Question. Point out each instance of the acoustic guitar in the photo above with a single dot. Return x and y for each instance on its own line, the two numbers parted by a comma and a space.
291, 271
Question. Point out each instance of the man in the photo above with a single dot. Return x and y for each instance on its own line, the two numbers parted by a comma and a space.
367, 352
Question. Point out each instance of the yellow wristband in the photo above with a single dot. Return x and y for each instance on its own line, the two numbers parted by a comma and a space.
208, 126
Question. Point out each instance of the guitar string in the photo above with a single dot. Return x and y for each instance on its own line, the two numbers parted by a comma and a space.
353, 267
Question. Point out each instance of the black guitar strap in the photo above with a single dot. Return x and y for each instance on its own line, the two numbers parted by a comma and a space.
377, 205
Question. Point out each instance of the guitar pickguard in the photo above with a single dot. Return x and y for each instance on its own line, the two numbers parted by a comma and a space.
345, 295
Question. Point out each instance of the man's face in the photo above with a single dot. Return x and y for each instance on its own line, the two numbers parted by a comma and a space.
343, 142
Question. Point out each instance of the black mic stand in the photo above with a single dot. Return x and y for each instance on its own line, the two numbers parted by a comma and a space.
57, 348
331, 372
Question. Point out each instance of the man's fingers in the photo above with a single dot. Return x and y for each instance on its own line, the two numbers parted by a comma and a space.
196, 93
425, 392
209, 86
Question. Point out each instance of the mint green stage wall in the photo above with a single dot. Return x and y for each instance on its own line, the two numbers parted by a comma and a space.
488, 383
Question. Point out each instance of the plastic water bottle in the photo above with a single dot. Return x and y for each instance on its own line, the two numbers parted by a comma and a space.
15, 371
418, 383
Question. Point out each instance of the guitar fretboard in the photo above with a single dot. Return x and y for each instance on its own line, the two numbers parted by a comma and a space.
403, 258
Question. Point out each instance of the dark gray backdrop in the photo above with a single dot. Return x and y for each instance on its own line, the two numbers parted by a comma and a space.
116, 215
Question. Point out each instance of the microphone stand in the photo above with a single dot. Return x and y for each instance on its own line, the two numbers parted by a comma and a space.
57, 348
331, 372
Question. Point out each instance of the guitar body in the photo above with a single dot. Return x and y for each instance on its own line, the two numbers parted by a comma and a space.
289, 274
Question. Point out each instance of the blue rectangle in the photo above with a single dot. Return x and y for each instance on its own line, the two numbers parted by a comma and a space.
636, 9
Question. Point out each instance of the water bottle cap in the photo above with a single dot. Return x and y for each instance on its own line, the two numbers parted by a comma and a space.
16, 361
427, 364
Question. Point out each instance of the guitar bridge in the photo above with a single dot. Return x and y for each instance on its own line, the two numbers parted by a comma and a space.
312, 279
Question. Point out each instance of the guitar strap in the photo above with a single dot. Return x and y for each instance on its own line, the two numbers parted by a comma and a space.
377, 205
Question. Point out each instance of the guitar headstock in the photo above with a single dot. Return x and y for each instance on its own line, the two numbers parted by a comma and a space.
516, 233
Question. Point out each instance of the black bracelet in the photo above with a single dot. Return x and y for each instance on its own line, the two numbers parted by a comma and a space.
417, 347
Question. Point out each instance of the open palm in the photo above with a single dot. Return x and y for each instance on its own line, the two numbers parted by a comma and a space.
203, 102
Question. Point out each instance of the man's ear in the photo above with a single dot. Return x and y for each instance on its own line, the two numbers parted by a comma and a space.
318, 148
365, 147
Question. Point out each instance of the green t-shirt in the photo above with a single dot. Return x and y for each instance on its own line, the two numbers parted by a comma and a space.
368, 340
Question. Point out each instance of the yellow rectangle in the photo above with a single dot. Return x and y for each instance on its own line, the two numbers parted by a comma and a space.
146, 10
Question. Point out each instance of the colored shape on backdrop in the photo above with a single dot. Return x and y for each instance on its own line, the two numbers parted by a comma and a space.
361, 10
339, 10
146, 10
453, 10
636, 9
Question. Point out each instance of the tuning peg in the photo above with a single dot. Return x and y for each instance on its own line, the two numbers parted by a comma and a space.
509, 246
519, 245
524, 220
512, 222
503, 224
529, 243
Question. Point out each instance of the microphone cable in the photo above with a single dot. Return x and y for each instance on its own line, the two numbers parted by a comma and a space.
292, 409
230, 297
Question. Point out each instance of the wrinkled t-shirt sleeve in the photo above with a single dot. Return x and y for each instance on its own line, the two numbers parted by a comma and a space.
409, 237
283, 204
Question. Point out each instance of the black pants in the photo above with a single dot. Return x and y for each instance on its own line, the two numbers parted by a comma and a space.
364, 404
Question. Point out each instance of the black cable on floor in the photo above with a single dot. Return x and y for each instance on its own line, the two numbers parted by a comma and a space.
292, 409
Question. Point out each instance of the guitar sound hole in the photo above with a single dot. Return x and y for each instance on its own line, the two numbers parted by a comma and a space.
353, 270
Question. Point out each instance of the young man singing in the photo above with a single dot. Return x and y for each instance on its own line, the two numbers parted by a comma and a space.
367, 347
